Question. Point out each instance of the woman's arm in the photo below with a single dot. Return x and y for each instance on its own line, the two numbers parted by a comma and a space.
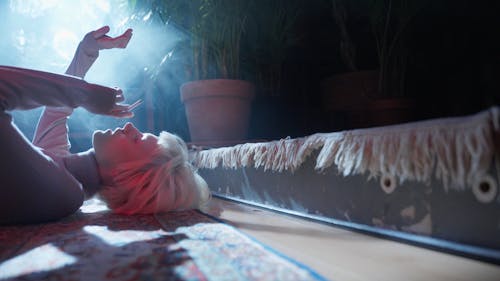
88, 49
52, 130
27, 89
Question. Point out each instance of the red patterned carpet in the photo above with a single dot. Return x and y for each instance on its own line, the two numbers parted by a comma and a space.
95, 244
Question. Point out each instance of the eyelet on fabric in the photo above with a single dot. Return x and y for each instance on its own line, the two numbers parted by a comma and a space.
485, 189
388, 183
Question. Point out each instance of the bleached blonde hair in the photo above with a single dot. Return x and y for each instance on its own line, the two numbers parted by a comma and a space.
164, 182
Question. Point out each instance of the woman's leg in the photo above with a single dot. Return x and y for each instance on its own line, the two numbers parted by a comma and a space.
33, 188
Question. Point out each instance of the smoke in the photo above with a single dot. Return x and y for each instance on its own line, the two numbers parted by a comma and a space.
45, 34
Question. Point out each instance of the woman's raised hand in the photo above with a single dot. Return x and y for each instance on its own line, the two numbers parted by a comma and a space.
106, 42
97, 40
91, 44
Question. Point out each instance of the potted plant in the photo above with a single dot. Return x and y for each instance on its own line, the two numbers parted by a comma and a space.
216, 98
270, 39
345, 95
391, 22
377, 96
269, 35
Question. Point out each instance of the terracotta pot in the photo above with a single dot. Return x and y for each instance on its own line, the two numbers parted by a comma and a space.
351, 99
345, 98
218, 110
349, 91
391, 111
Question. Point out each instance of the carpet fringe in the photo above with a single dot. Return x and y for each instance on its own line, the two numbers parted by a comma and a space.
456, 151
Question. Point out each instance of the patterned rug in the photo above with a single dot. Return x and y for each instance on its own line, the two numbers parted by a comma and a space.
95, 244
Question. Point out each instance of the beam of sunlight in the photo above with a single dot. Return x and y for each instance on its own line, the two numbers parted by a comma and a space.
121, 237
43, 258
44, 34
93, 205
64, 42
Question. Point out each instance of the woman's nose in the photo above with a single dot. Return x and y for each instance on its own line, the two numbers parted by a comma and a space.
127, 126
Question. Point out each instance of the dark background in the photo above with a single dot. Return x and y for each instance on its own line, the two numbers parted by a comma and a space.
453, 67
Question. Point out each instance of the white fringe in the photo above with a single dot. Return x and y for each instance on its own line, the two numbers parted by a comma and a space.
454, 150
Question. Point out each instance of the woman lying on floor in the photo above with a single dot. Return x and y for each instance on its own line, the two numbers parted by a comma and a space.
132, 172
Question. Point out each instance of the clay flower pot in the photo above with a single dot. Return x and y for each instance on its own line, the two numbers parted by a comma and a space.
217, 110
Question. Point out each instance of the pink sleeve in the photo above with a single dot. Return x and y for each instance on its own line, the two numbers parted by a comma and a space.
51, 133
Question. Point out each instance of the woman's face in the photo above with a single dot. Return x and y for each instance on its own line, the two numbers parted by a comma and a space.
122, 145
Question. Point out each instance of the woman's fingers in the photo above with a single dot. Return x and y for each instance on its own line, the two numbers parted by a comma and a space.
124, 38
122, 114
100, 32
122, 111
119, 95
106, 42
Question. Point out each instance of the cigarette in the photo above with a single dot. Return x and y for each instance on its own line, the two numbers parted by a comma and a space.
134, 105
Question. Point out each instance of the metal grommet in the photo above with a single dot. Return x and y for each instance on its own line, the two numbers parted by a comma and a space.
485, 189
388, 183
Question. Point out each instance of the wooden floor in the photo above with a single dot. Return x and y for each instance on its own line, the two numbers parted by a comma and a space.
342, 255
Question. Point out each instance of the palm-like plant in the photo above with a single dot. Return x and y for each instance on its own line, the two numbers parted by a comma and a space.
214, 30
269, 36
390, 22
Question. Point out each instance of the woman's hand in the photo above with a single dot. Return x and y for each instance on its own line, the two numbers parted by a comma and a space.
97, 40
106, 42
89, 47
107, 101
